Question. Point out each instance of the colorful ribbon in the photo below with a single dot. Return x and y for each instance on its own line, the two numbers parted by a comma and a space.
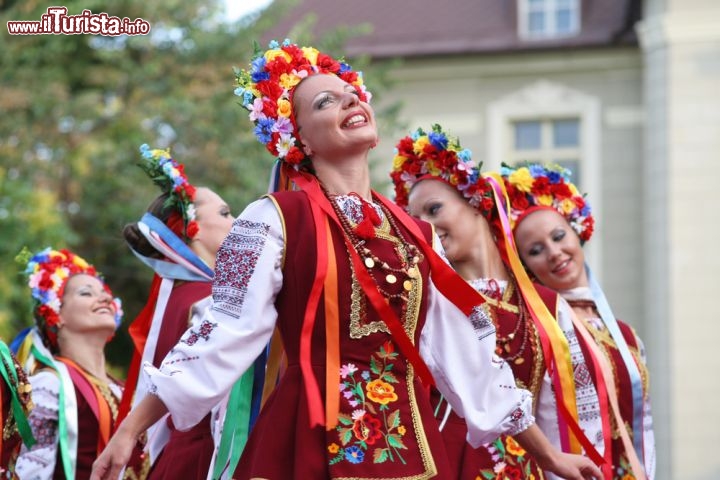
11, 379
633, 370
558, 363
98, 404
605, 371
67, 458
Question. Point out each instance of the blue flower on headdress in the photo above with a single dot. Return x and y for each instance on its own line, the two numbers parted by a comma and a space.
554, 177
537, 171
273, 44
263, 129
238, 92
145, 151
287, 42
258, 77
465, 155
248, 97
438, 140
344, 67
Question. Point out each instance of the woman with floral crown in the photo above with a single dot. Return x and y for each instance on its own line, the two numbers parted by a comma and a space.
178, 238
75, 399
436, 180
551, 221
16, 403
367, 309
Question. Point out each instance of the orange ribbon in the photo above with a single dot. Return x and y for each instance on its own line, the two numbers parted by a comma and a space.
332, 336
98, 403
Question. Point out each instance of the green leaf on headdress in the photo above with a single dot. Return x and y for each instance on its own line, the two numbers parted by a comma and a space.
24, 256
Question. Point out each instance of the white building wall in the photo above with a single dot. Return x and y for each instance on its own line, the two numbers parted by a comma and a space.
681, 45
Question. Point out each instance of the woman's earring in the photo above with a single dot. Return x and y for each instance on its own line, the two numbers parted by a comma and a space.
307, 150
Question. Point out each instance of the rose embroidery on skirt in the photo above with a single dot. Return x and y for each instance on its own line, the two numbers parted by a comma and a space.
374, 429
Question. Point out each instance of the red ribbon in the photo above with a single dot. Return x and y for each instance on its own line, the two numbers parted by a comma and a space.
139, 330
387, 314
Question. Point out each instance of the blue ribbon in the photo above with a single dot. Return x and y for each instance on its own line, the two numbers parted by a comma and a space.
610, 322
172, 240
18, 340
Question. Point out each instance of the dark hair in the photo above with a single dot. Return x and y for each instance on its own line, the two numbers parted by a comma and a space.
134, 237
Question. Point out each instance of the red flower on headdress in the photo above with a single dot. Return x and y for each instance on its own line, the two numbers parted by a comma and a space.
192, 229
541, 186
327, 63
294, 156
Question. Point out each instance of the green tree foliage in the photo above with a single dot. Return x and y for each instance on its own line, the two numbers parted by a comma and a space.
75, 108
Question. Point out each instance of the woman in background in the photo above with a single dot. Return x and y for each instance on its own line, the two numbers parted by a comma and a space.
551, 221
75, 399
436, 180
178, 237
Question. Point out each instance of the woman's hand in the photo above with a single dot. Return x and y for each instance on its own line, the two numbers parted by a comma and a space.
115, 456
118, 450
574, 467
571, 467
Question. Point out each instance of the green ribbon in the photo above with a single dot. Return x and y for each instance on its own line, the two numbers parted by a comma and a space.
18, 412
236, 426
62, 422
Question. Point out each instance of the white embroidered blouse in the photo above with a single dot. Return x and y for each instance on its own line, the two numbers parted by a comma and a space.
239, 321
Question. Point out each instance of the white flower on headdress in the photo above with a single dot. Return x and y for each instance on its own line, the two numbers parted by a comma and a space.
284, 144
54, 302
191, 212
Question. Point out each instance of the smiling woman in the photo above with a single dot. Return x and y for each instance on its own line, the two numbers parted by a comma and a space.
75, 399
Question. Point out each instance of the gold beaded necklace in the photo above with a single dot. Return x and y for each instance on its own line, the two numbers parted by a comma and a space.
409, 259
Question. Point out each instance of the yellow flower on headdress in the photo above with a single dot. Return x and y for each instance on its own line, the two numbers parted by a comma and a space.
545, 200
288, 81
573, 189
433, 169
420, 143
284, 109
522, 179
567, 206
398, 161
270, 55
311, 53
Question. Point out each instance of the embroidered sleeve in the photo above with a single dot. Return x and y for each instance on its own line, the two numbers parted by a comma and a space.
230, 331
479, 385
38, 462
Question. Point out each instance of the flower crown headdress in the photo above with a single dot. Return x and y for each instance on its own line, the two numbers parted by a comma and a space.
169, 175
536, 186
266, 90
422, 155
48, 272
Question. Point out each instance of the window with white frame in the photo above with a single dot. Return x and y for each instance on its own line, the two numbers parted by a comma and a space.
542, 19
546, 140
